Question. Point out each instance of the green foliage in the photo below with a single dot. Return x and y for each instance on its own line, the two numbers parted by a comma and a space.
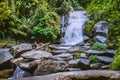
115, 65
77, 56
106, 10
94, 59
98, 46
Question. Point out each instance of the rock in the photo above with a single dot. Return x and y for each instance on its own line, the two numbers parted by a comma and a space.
5, 58
105, 67
59, 52
77, 49
74, 69
50, 66
19, 49
17, 60
95, 52
28, 65
83, 55
4, 74
84, 64
64, 56
79, 75
59, 47
74, 63
85, 38
101, 28
95, 66
5, 55
100, 39
105, 59
36, 54
87, 47
110, 51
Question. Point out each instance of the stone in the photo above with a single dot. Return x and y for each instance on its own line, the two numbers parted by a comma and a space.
74, 63
110, 52
77, 49
5, 58
84, 64
17, 60
100, 39
74, 69
95, 52
95, 66
58, 52
105, 67
19, 49
85, 38
64, 56
105, 59
59, 47
83, 55
101, 28
36, 54
78, 75
50, 66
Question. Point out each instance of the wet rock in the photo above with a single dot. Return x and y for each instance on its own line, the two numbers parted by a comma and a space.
64, 56
110, 52
95, 52
87, 47
105, 59
36, 54
95, 66
77, 49
84, 64
59, 47
19, 49
85, 38
100, 39
5, 55
50, 66
19, 73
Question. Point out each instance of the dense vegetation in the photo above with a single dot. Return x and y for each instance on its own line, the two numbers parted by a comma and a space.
40, 19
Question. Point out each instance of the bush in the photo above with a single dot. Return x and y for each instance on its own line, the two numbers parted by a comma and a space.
93, 59
115, 65
98, 46
77, 56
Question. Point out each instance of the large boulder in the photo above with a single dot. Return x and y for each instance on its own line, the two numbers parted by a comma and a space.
19, 49
101, 28
50, 66
36, 54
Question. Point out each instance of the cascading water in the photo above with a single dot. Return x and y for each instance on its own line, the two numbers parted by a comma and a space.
73, 34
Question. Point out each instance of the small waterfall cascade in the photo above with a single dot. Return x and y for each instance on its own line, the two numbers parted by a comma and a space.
19, 73
74, 30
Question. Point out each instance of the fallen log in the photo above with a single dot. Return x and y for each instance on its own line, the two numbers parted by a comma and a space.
78, 75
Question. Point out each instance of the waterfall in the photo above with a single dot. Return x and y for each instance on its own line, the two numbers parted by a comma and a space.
74, 31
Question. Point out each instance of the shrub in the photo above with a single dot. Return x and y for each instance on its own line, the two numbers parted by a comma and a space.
98, 46
77, 56
115, 65
93, 59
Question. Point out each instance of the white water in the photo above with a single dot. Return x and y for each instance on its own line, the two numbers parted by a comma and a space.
74, 32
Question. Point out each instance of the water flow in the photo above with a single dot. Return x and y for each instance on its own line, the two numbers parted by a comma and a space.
73, 34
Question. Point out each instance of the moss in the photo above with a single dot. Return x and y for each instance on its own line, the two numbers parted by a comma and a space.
4, 74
